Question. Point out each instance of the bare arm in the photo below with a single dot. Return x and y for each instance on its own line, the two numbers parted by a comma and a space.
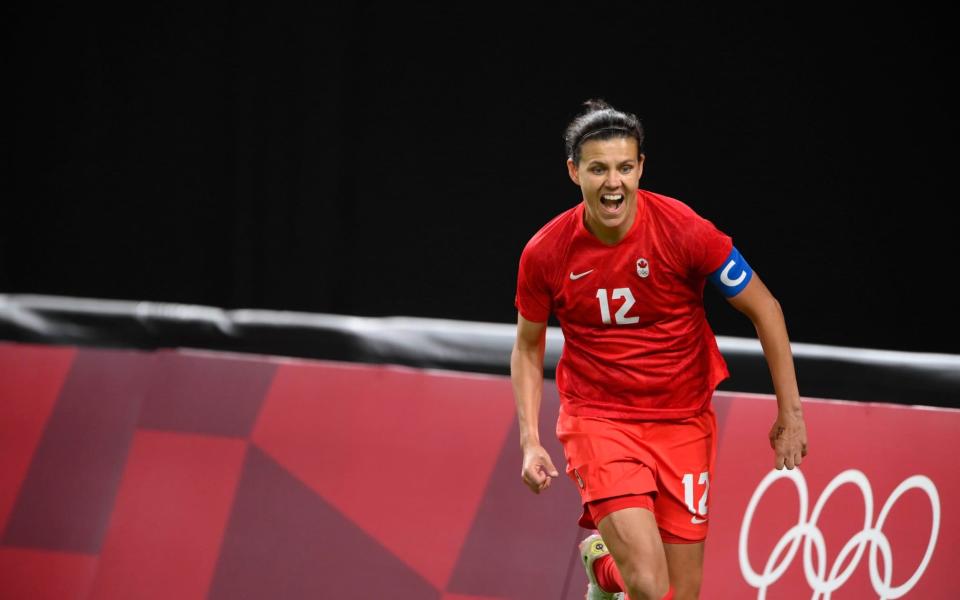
526, 373
788, 436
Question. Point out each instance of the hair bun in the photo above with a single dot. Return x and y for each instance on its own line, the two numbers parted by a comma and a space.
595, 104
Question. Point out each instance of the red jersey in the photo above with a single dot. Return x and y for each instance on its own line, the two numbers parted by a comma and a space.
637, 344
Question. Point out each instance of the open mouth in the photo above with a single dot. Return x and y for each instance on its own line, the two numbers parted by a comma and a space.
611, 202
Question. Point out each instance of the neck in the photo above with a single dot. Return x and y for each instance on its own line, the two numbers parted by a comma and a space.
609, 235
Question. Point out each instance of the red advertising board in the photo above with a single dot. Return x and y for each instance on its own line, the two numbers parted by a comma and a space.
201, 475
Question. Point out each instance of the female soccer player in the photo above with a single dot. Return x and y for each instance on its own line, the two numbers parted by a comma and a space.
623, 271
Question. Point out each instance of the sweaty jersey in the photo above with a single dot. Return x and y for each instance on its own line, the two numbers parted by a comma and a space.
637, 344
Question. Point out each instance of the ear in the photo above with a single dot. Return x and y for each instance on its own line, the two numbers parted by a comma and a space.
640, 165
572, 171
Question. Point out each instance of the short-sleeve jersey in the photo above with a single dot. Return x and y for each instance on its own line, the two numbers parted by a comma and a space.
637, 344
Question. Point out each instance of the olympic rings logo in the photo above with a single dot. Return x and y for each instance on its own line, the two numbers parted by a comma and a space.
825, 584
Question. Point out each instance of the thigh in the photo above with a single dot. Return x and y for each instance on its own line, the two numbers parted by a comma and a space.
633, 538
685, 564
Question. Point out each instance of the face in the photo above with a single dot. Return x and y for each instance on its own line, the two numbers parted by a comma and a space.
608, 175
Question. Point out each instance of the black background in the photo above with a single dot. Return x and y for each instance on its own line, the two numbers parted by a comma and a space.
393, 160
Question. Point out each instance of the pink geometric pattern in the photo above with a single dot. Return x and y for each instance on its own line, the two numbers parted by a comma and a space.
169, 517
336, 469
404, 454
31, 381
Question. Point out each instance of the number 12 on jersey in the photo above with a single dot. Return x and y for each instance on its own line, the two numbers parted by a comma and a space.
621, 316
700, 509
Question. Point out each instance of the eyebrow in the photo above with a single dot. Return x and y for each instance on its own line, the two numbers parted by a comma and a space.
601, 163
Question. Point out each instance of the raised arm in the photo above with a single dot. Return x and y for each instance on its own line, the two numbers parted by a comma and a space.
526, 373
788, 436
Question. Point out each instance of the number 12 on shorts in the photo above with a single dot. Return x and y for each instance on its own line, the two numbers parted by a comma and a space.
701, 510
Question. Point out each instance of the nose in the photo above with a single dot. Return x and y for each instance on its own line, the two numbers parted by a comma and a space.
613, 180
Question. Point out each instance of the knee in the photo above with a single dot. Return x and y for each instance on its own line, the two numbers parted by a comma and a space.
645, 582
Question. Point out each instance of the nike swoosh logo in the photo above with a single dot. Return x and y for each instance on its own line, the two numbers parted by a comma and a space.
697, 520
579, 275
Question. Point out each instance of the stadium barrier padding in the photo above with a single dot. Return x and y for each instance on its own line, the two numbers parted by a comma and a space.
929, 379
195, 474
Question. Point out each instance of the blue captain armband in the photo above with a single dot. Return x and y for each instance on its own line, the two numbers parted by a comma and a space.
733, 275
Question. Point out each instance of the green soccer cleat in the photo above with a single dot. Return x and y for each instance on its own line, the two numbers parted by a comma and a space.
591, 549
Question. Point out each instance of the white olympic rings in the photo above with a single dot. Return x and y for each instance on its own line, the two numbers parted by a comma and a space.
813, 538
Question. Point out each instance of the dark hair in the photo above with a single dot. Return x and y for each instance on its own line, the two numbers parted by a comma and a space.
600, 121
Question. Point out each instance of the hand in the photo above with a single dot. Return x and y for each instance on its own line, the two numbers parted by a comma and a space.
538, 470
788, 438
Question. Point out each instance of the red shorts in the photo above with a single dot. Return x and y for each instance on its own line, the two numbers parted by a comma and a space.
671, 461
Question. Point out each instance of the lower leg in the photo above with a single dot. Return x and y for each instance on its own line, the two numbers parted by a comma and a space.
685, 564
